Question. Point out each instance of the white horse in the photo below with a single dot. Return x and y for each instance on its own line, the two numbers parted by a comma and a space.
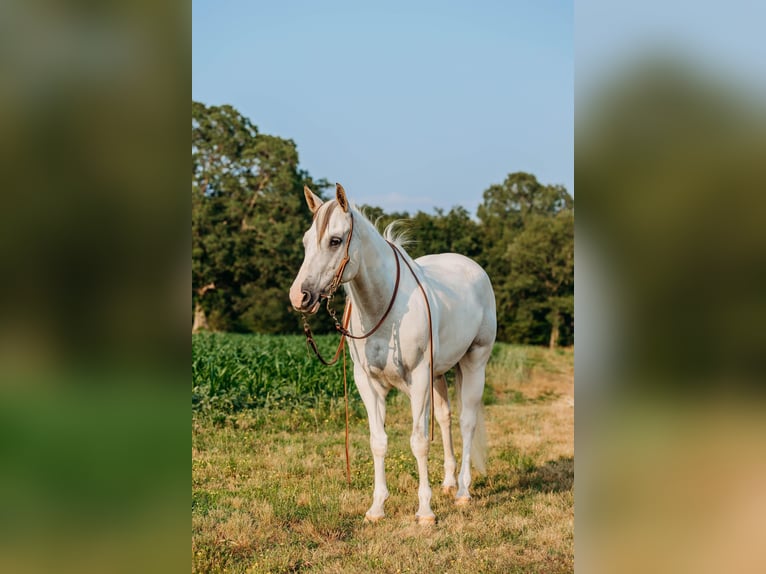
343, 247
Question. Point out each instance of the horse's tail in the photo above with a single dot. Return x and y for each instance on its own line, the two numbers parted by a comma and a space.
479, 442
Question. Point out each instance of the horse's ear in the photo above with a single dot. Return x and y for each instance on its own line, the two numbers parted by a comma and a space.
312, 199
340, 195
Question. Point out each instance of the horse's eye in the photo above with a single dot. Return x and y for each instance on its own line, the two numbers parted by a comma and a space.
335, 241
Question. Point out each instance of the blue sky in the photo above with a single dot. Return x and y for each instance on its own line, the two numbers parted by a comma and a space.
724, 38
410, 105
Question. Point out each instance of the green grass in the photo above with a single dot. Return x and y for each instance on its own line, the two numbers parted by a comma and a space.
269, 492
231, 373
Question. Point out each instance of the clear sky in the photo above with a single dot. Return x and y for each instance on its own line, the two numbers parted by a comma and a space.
725, 38
410, 105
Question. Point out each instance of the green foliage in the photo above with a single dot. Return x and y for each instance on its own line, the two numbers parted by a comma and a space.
528, 238
232, 372
248, 216
453, 232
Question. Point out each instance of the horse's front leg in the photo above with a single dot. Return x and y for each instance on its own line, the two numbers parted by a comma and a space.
374, 399
420, 402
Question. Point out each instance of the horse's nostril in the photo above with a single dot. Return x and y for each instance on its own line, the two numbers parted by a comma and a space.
306, 297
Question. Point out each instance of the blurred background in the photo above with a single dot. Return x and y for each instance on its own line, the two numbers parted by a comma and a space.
94, 252
670, 291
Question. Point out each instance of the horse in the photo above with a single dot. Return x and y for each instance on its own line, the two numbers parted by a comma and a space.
406, 329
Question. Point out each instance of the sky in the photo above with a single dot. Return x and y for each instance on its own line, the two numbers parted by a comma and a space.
723, 38
410, 105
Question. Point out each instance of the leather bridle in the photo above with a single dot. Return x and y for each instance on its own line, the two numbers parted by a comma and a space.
344, 332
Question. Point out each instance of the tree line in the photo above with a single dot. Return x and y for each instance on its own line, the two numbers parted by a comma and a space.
249, 216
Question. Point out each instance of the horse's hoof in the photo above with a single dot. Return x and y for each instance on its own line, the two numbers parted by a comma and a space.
425, 520
372, 519
449, 490
462, 500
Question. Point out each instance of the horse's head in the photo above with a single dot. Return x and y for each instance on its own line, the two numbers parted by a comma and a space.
327, 250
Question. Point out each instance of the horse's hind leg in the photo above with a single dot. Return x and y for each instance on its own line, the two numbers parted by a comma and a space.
419, 397
444, 417
471, 370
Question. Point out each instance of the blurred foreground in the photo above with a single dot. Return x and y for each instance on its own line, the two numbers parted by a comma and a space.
94, 248
670, 302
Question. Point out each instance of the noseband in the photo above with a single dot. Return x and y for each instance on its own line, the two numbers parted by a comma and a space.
336, 281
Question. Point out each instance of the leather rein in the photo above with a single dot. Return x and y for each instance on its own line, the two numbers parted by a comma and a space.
344, 332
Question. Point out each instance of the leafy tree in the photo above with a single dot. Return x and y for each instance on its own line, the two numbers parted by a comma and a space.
527, 232
541, 280
506, 207
453, 232
247, 218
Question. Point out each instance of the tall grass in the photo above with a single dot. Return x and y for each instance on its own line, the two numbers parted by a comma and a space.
231, 373
518, 361
235, 372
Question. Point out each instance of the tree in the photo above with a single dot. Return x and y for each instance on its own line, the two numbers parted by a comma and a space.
453, 232
541, 278
527, 234
247, 220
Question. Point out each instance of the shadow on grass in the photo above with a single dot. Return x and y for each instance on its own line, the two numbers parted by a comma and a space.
522, 477
553, 476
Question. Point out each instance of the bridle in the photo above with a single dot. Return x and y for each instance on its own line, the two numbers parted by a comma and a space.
344, 332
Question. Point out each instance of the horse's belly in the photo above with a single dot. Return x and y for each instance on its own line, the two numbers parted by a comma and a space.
448, 360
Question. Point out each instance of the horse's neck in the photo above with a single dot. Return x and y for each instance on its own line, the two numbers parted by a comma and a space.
373, 285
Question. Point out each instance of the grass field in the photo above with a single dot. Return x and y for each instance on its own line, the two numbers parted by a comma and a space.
269, 492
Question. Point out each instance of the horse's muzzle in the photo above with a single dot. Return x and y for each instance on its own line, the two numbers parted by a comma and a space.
309, 302
303, 298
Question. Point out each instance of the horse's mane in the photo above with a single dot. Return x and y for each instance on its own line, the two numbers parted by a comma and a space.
396, 232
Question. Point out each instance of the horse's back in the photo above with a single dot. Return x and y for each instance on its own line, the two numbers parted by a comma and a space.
463, 289
452, 267
457, 272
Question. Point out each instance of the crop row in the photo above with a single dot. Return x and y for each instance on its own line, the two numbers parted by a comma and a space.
231, 372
